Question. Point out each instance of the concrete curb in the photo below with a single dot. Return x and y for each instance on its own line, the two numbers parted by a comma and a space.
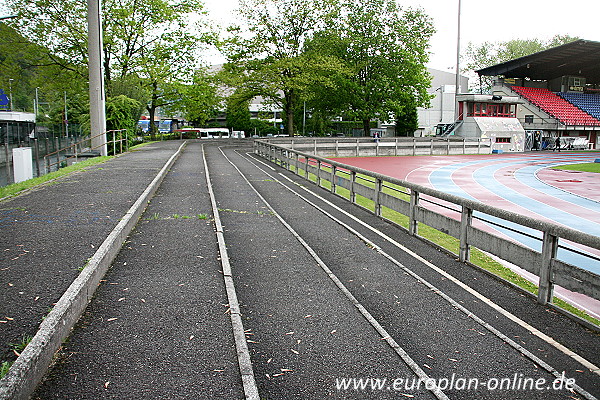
30, 367
239, 334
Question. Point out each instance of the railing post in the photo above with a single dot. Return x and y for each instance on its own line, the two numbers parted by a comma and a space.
357, 147
448, 151
413, 224
465, 223
333, 177
315, 148
352, 189
57, 148
464, 141
37, 156
306, 174
395, 146
378, 189
546, 285
318, 173
337, 148
414, 146
296, 164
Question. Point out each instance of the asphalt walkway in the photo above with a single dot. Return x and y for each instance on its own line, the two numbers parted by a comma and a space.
320, 303
49, 233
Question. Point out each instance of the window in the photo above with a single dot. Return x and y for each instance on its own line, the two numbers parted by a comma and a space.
502, 140
490, 110
529, 119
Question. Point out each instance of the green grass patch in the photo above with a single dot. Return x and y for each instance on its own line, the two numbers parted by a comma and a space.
19, 347
137, 146
16, 188
4, 368
586, 167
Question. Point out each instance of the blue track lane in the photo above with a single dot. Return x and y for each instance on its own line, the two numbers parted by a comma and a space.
441, 179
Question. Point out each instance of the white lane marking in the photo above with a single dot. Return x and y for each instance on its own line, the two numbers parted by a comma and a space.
364, 312
593, 368
243, 355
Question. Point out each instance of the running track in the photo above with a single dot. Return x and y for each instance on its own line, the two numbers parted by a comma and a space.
522, 183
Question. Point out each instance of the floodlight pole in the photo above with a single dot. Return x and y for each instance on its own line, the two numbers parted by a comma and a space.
10, 93
97, 99
457, 83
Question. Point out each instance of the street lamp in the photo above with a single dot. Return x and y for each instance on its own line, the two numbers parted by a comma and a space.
96, 86
10, 93
37, 102
457, 84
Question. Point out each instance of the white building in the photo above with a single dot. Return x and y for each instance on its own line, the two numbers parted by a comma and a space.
442, 110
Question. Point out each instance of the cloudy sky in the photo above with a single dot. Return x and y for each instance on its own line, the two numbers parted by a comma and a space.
484, 21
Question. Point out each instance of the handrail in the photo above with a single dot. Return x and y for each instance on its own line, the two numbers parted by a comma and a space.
545, 263
76, 155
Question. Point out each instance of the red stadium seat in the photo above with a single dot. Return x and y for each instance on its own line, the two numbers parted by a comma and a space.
557, 106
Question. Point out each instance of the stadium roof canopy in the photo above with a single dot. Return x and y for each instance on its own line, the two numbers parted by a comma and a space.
578, 58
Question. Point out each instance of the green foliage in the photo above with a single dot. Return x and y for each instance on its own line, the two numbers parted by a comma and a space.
269, 60
19, 347
380, 52
238, 113
407, 121
4, 368
150, 46
261, 128
197, 102
122, 113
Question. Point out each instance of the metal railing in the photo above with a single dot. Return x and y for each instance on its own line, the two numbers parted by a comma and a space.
84, 148
395, 146
474, 224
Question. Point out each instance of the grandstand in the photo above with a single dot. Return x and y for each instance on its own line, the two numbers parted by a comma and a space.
560, 93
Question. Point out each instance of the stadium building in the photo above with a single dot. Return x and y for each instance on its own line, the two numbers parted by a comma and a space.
556, 93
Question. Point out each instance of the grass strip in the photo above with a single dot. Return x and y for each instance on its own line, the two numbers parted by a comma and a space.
586, 167
16, 188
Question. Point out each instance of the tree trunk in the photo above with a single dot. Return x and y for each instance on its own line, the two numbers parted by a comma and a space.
367, 127
152, 111
289, 111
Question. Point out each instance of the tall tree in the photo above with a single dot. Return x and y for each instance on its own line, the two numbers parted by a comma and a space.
270, 61
150, 45
383, 50
129, 28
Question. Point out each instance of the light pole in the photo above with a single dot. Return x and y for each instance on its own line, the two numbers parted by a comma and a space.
10, 92
97, 99
457, 83
37, 104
